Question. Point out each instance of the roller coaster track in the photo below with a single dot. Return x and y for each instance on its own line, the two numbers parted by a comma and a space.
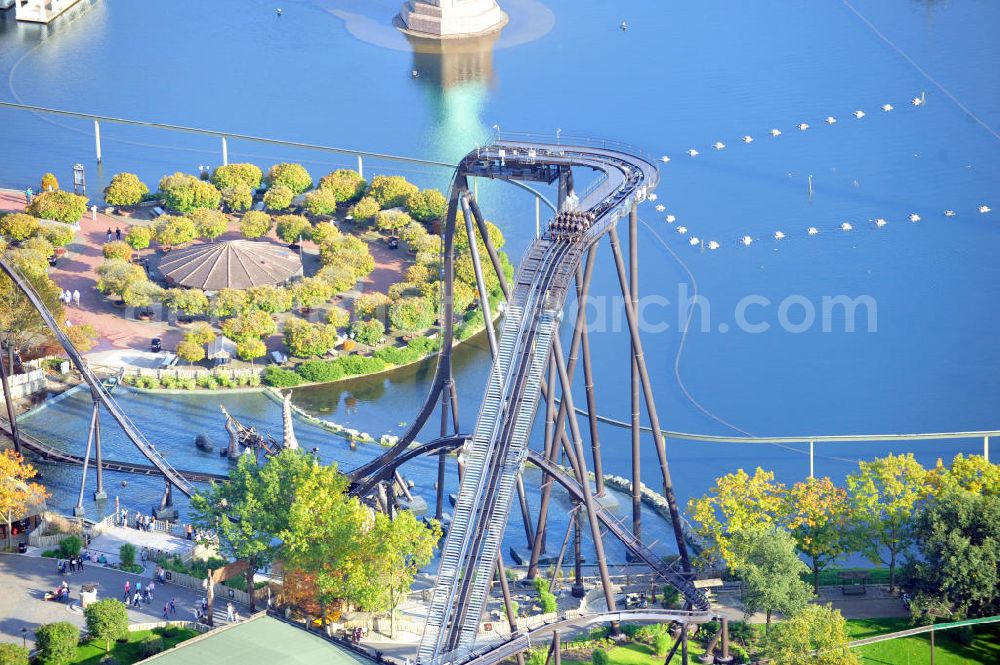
495, 653
135, 435
497, 448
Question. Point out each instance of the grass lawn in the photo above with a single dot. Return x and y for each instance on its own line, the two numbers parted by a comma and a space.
90, 653
636, 653
985, 648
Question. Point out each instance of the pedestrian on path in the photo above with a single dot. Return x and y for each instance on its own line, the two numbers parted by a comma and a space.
72, 565
118, 234
66, 296
146, 596
150, 588
189, 531
173, 606
76, 297
229, 612
137, 600
110, 235
165, 608
28, 193
138, 587
128, 589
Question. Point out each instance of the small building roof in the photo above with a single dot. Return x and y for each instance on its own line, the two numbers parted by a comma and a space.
234, 264
220, 347
260, 640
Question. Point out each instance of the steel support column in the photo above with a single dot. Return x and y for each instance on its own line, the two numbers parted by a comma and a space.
588, 497
647, 388
79, 510
633, 252
99, 493
508, 603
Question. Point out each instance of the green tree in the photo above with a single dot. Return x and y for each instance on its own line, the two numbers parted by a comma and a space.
278, 197
59, 206
126, 555
817, 628
83, 336
116, 276
201, 332
771, 572
346, 185
291, 175
142, 294
817, 514
190, 350
391, 191
183, 192
958, 536
427, 206
350, 252
209, 223
311, 292
56, 643
393, 551
370, 333
325, 232
321, 202
125, 189
600, 657
49, 183
338, 317
238, 198
255, 224
228, 302
392, 221
190, 301
107, 620
365, 210
58, 236
546, 598
18, 226
269, 298
339, 278
305, 339
139, 237
738, 502
250, 349
291, 228
117, 249
884, 496
233, 175
13, 654
370, 305
412, 314
974, 473
38, 245
21, 326
172, 231
324, 533
249, 324
250, 509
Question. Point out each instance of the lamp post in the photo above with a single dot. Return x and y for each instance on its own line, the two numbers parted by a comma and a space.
24, 637
558, 132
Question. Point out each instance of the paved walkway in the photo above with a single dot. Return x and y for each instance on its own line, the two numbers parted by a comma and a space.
112, 539
25, 580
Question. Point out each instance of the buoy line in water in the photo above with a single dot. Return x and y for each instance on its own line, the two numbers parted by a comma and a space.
775, 133
780, 235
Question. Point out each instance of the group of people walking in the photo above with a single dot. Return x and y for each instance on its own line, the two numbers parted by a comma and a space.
138, 520
70, 297
72, 565
117, 235
137, 593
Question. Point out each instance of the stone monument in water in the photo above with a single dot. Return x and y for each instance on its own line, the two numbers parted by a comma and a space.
451, 19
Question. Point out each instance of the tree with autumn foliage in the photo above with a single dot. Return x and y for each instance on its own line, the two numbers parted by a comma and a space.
974, 473
884, 497
17, 492
736, 503
816, 513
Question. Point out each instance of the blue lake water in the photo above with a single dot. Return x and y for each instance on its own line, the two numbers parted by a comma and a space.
683, 76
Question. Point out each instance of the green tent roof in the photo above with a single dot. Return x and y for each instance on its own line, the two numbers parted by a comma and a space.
260, 640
